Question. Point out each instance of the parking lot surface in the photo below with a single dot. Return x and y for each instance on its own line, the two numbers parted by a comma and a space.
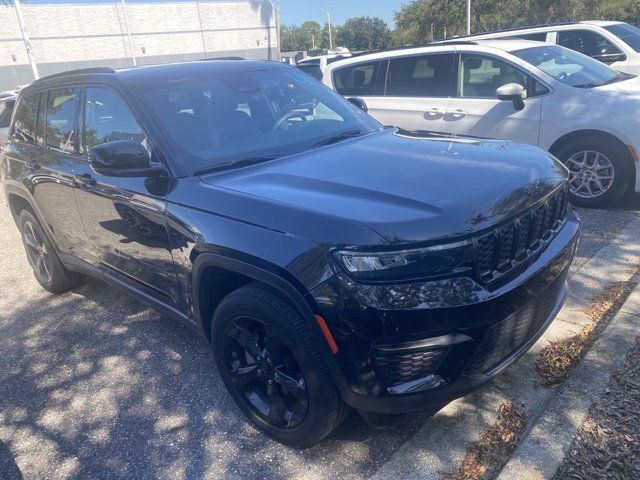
93, 384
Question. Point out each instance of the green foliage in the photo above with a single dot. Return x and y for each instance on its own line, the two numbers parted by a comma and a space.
365, 33
428, 20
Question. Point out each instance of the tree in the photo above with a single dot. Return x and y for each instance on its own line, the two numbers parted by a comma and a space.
364, 33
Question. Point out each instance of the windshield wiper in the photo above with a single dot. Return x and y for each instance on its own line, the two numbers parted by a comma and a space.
234, 164
338, 137
616, 79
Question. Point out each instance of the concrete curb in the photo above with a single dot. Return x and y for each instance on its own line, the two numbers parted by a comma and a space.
440, 445
542, 451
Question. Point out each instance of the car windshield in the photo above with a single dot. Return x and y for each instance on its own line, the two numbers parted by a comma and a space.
234, 119
569, 67
627, 33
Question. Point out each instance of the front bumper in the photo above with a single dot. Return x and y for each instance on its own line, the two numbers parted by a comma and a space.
407, 347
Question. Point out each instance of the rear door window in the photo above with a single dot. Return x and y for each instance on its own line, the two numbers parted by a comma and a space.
62, 119
585, 41
24, 126
363, 79
421, 76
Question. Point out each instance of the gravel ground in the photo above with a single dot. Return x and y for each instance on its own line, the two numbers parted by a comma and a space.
94, 384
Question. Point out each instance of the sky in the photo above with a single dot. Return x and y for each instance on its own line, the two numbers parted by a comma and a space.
294, 12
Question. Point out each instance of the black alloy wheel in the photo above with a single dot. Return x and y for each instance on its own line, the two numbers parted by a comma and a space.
265, 372
37, 252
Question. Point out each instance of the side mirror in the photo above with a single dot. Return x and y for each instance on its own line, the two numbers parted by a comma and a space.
358, 102
120, 158
513, 92
609, 54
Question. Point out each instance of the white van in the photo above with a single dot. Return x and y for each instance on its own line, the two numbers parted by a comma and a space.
580, 110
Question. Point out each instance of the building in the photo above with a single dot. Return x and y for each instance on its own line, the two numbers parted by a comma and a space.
67, 36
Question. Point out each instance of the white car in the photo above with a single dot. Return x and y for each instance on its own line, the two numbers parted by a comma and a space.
615, 43
580, 110
323, 60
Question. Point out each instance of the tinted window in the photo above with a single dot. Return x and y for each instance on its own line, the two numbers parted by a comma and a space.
482, 76
107, 118
585, 41
361, 79
5, 113
42, 108
25, 120
627, 33
62, 108
570, 67
535, 37
251, 115
311, 69
421, 76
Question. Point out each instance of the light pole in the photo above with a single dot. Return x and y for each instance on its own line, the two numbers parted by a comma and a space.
25, 38
468, 17
126, 25
330, 36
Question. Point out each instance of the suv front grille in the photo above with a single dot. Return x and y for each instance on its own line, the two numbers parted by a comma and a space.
504, 338
396, 368
500, 250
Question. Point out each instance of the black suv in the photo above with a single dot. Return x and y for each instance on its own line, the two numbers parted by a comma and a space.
333, 263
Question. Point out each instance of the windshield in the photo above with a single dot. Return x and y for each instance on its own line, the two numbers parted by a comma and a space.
627, 33
217, 121
569, 67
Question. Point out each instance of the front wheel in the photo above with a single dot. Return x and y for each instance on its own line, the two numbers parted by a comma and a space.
270, 362
599, 171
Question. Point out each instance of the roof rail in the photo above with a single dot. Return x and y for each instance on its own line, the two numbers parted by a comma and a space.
407, 47
79, 71
513, 29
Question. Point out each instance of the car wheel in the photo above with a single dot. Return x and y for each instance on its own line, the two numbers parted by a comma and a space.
47, 267
599, 171
270, 362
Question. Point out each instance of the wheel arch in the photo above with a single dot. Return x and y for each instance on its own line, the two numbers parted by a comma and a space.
594, 133
227, 274
18, 202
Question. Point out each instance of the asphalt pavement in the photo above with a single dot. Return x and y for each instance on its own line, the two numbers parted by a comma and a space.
93, 384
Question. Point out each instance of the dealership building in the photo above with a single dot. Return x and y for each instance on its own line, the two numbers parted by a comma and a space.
62, 37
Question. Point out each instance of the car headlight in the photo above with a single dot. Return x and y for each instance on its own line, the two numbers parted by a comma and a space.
404, 265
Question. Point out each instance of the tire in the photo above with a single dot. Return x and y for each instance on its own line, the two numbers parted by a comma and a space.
617, 156
255, 309
47, 267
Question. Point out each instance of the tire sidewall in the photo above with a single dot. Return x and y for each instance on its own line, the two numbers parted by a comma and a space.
315, 420
622, 167
57, 274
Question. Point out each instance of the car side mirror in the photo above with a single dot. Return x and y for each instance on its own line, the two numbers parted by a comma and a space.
358, 102
120, 158
609, 54
513, 92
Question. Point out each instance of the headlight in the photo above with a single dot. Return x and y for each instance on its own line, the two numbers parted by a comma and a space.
404, 265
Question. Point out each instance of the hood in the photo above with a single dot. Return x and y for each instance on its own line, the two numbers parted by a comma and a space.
622, 91
405, 188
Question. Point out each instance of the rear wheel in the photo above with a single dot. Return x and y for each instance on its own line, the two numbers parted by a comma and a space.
271, 364
600, 171
47, 267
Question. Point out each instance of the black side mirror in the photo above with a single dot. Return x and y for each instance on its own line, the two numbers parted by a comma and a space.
512, 92
120, 158
609, 54
358, 102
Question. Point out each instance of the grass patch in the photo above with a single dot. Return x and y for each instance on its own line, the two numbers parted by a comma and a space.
558, 359
485, 458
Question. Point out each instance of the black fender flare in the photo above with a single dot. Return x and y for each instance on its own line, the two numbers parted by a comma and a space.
305, 307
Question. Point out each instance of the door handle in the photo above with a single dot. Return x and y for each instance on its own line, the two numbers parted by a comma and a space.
86, 180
